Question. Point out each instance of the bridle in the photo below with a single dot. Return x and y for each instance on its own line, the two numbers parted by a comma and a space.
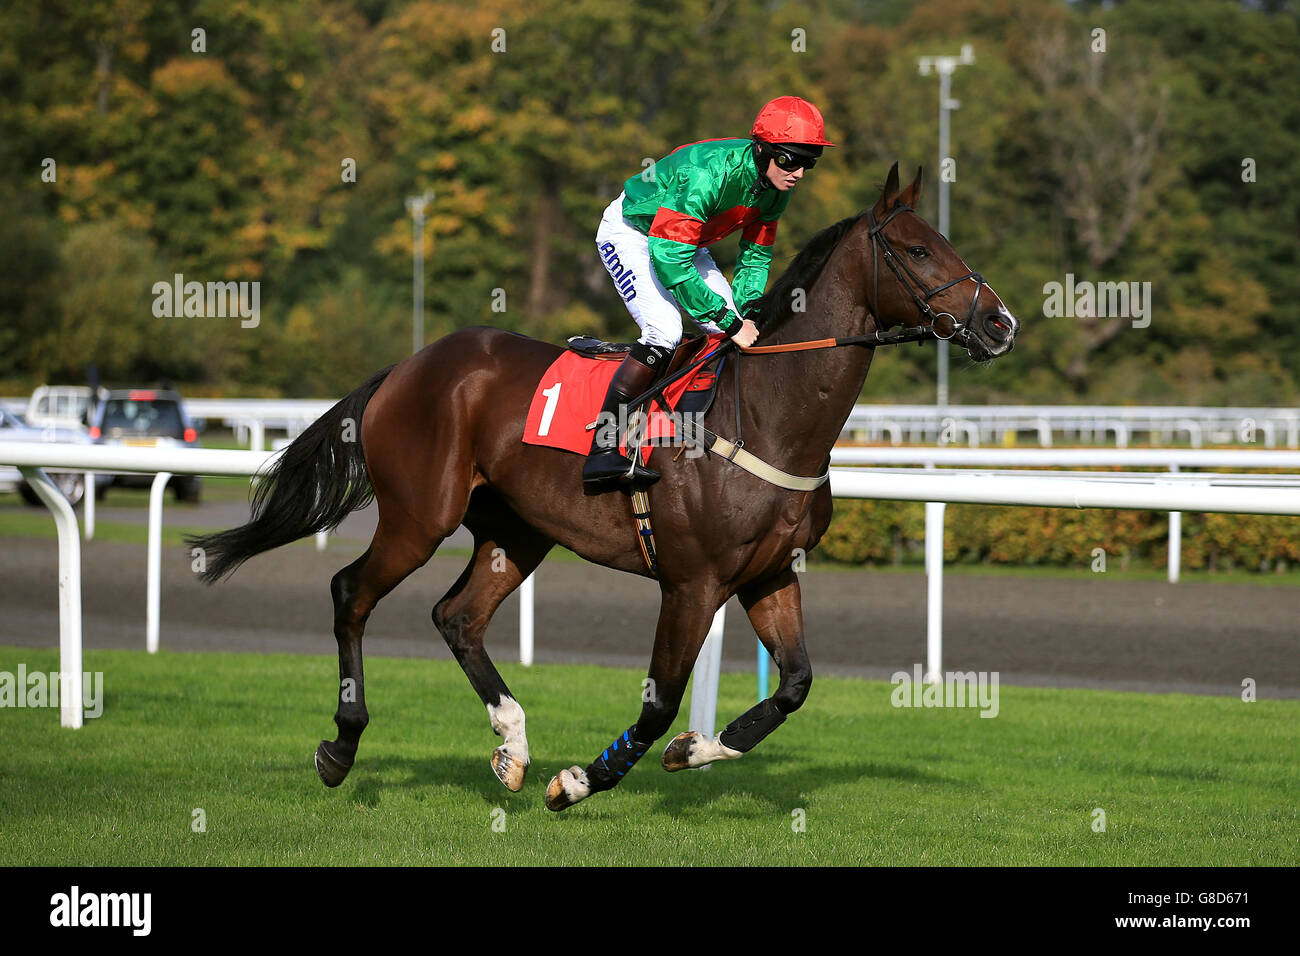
931, 323
930, 320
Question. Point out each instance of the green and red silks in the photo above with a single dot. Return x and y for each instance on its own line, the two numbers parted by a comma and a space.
693, 197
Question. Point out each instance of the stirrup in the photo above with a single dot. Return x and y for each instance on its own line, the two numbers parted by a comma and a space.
610, 466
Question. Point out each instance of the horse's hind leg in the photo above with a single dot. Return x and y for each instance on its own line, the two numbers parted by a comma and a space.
775, 610
393, 554
506, 551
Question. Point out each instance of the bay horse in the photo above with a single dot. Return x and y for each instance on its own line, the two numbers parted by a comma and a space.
440, 446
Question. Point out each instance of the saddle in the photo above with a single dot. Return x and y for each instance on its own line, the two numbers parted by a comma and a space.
701, 389
592, 347
571, 392
696, 398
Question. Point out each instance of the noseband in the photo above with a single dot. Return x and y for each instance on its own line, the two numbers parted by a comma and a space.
931, 321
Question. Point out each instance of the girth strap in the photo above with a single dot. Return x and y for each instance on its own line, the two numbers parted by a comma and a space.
736, 454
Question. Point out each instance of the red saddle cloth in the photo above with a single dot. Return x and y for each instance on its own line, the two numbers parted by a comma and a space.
571, 393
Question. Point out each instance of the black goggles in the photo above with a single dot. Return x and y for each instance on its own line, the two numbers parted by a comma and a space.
789, 160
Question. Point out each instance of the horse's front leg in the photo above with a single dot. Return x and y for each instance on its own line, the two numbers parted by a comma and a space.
684, 618
776, 612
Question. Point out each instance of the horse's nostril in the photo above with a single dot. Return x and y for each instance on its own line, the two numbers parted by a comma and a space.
997, 326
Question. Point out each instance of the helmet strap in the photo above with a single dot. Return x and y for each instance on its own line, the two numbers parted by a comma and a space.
762, 156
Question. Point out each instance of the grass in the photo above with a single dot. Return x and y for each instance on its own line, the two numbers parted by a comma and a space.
1183, 780
38, 524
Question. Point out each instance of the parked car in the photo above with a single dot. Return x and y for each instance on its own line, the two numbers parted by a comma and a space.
71, 483
62, 406
144, 418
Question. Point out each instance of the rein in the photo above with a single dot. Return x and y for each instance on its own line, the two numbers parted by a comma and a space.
941, 325
733, 452
915, 334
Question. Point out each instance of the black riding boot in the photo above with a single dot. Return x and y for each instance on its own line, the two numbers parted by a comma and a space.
638, 372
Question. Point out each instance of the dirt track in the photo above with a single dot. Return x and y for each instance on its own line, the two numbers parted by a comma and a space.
1202, 638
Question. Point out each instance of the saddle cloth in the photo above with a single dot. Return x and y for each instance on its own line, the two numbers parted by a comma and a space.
570, 395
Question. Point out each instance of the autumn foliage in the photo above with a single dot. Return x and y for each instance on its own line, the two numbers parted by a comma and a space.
227, 163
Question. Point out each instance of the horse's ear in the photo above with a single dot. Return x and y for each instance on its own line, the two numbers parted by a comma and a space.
912, 194
890, 195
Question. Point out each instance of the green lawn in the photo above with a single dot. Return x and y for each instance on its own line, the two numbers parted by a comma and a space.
37, 523
1183, 780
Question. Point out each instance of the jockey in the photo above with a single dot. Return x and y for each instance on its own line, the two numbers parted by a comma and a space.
652, 240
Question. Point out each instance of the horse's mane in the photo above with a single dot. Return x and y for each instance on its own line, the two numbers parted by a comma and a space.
774, 305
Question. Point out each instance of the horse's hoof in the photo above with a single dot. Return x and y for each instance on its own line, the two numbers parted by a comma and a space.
567, 788
331, 771
509, 770
677, 755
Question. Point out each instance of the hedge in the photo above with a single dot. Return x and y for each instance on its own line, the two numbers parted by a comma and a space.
880, 532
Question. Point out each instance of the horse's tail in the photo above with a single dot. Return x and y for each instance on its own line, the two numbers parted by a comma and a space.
316, 482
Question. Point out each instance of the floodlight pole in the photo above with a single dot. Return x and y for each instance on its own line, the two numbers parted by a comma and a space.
945, 65
415, 206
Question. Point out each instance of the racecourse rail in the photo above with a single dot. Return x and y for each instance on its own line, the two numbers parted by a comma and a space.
1168, 491
917, 424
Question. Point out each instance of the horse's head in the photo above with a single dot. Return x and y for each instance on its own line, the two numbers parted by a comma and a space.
917, 279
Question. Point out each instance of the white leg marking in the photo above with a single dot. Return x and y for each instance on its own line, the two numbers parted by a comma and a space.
510, 760
508, 721
693, 749
707, 751
575, 784
566, 788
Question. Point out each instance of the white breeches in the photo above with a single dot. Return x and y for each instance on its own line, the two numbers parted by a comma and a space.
626, 254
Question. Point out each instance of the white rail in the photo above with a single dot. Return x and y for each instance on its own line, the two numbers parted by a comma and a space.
1233, 494
1221, 494
251, 417
1196, 424
178, 460
1067, 457
972, 424
65, 520
1171, 458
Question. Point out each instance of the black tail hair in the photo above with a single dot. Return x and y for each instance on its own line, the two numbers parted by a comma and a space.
316, 482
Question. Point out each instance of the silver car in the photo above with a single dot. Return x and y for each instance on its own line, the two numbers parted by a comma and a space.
71, 483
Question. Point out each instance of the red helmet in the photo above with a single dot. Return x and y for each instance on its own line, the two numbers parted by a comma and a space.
790, 119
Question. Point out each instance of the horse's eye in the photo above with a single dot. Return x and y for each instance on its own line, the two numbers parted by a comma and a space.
918, 252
